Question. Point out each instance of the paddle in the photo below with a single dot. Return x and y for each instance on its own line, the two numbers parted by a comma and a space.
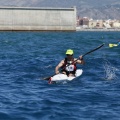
114, 45
93, 50
47, 78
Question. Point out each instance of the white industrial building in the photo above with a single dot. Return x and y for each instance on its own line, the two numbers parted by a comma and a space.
41, 19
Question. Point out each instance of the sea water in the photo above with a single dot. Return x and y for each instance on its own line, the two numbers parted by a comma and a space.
27, 57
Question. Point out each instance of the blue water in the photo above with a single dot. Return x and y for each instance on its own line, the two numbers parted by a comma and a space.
27, 57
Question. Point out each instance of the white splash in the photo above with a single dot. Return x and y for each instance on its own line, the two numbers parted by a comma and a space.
110, 71
49, 66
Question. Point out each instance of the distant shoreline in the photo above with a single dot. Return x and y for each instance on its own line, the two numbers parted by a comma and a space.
96, 29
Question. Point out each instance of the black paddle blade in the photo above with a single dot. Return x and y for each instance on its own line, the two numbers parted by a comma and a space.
46, 78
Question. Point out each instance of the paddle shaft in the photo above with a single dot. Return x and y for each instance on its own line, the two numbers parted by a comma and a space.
47, 78
90, 52
93, 50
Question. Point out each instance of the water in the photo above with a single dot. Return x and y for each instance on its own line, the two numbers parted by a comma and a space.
27, 57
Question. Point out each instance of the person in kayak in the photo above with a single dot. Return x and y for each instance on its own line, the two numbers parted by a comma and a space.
68, 65
119, 42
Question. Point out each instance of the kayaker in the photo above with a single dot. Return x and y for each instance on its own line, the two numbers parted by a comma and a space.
68, 65
119, 42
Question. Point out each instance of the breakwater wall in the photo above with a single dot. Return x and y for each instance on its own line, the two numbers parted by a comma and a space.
37, 19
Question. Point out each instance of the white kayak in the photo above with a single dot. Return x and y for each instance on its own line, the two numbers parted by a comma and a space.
63, 77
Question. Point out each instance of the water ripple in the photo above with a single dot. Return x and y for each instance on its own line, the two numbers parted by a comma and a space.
27, 57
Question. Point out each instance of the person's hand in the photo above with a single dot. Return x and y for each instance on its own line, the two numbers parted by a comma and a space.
80, 57
57, 72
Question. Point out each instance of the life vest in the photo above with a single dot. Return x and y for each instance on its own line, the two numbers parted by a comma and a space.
69, 66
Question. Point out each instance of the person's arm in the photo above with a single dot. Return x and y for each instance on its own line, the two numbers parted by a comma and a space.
80, 60
119, 42
59, 66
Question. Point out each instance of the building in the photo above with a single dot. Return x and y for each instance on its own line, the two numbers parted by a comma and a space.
92, 23
95, 24
41, 19
116, 24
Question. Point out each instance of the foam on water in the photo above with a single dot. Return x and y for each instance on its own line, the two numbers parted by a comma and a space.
110, 70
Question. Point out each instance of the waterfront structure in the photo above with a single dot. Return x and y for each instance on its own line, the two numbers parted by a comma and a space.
41, 19
92, 23
95, 24
86, 24
116, 24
